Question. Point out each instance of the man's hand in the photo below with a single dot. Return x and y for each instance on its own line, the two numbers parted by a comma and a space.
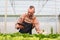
40, 32
17, 26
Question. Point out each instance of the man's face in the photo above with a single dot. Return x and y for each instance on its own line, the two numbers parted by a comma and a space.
31, 11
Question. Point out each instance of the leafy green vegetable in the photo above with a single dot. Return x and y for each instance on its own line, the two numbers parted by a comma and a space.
19, 36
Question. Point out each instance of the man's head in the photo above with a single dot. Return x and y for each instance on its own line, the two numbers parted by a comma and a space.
31, 10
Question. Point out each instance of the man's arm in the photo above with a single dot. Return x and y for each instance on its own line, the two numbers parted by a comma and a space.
19, 22
36, 23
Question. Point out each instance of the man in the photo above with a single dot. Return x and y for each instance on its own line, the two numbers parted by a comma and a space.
28, 21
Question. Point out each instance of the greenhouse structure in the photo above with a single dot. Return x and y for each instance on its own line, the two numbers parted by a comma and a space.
46, 11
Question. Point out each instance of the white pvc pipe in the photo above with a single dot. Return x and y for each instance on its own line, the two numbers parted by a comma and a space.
5, 23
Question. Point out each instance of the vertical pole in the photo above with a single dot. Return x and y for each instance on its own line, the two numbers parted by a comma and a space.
59, 23
6, 3
56, 17
58, 30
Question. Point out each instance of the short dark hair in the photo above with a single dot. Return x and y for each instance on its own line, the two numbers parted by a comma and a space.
31, 7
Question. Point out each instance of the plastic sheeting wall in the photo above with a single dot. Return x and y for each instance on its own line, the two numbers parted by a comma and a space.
21, 7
